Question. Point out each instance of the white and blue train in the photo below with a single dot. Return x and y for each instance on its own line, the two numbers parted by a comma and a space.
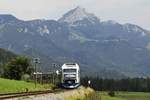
70, 75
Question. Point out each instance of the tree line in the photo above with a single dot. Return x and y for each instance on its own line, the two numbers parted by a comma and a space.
17, 68
127, 84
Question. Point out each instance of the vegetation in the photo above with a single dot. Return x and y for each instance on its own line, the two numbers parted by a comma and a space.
17, 67
80, 94
13, 66
119, 96
125, 96
128, 84
9, 86
84, 94
77, 36
92, 96
111, 93
5, 56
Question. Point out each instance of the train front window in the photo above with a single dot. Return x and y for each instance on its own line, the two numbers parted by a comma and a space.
69, 70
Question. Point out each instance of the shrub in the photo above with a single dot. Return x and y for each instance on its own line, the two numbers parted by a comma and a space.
111, 93
26, 77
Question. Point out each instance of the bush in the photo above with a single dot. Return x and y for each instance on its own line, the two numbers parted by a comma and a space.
17, 67
26, 77
111, 93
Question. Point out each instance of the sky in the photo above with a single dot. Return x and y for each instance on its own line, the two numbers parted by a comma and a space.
123, 11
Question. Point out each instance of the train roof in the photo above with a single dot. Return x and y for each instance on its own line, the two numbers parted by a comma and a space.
70, 65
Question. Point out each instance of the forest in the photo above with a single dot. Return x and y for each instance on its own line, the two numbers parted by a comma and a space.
127, 84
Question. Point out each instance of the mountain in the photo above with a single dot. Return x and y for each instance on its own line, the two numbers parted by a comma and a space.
78, 14
102, 48
7, 18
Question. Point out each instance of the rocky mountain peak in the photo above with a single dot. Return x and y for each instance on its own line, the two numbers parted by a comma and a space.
78, 14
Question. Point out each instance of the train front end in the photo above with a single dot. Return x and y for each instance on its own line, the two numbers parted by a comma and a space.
70, 76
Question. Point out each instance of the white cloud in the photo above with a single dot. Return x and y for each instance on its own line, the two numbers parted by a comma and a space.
133, 11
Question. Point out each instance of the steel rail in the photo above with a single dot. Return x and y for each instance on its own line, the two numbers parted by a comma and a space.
23, 94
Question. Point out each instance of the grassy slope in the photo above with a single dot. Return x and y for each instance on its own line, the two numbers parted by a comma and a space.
126, 96
19, 86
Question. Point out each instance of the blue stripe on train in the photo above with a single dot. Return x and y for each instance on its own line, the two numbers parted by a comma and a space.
70, 86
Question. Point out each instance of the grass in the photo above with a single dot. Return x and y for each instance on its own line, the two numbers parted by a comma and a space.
119, 96
125, 96
89, 94
80, 94
111, 98
8, 86
134, 95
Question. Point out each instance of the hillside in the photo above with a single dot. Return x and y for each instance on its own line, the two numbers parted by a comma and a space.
6, 55
103, 48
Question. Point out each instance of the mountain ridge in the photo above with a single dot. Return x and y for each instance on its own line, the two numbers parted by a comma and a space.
99, 47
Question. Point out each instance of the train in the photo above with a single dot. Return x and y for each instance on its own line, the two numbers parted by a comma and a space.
70, 76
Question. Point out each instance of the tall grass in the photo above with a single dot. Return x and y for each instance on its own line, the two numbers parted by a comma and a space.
84, 94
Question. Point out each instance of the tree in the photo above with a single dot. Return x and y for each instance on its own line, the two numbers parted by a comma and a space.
17, 67
111, 93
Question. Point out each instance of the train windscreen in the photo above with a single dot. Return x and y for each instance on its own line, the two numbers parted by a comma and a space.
69, 70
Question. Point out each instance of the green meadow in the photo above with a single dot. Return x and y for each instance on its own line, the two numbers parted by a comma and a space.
125, 96
8, 86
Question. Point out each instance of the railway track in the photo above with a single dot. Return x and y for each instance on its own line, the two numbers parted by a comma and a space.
23, 94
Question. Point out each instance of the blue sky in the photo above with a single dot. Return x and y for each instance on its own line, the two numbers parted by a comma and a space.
123, 11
